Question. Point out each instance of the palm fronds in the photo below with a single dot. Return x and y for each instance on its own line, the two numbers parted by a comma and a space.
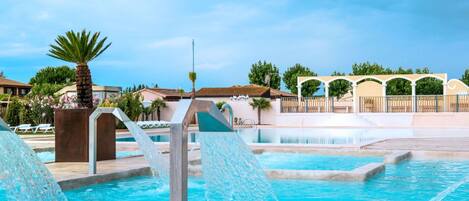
78, 47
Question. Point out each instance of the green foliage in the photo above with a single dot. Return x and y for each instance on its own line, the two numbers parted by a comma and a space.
54, 75
465, 77
108, 103
138, 87
45, 89
38, 109
15, 107
131, 105
157, 105
220, 104
192, 76
4, 97
265, 74
428, 86
399, 86
369, 69
290, 79
260, 104
338, 88
78, 47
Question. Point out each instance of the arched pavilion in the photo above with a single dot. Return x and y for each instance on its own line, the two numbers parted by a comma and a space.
355, 80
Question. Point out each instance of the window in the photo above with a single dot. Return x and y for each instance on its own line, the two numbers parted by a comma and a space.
23, 92
9, 90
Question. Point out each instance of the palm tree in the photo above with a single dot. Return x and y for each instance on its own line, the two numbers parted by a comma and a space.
147, 111
158, 104
80, 48
193, 77
260, 104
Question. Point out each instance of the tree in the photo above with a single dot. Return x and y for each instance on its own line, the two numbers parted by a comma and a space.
15, 107
158, 104
369, 69
264, 74
147, 111
399, 86
54, 75
45, 89
49, 80
138, 87
220, 104
465, 77
428, 86
193, 78
260, 104
338, 88
131, 105
80, 48
290, 79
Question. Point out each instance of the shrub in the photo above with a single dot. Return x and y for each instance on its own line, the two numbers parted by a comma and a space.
15, 107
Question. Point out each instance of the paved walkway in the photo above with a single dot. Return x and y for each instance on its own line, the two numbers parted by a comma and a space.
423, 144
73, 170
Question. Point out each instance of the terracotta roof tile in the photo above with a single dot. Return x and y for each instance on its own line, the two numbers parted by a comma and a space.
8, 82
251, 90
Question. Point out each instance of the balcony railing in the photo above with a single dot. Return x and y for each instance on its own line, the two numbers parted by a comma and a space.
378, 104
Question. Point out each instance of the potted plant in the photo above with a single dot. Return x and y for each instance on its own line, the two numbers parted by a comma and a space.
71, 119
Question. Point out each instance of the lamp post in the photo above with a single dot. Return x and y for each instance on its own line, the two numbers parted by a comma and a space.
193, 75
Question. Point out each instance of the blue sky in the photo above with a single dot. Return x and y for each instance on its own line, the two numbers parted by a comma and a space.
152, 39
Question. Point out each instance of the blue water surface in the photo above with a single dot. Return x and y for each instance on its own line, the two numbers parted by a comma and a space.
298, 161
411, 180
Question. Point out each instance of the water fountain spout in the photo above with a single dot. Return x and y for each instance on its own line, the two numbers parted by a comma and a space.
149, 150
227, 106
210, 119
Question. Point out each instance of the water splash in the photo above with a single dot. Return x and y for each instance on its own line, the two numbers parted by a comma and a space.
22, 175
443, 194
230, 170
159, 164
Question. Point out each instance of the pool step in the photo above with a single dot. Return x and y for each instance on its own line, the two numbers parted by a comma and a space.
397, 157
358, 174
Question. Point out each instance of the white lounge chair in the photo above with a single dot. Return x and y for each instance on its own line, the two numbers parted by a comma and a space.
23, 127
44, 128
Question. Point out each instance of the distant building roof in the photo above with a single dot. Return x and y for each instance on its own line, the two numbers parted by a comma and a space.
168, 93
251, 90
96, 88
8, 82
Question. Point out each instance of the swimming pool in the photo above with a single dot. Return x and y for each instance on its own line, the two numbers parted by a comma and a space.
410, 180
298, 161
322, 136
49, 156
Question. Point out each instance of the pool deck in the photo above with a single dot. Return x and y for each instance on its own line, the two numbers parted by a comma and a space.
455, 144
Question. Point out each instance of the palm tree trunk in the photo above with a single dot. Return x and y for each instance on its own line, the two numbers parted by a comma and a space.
258, 116
84, 86
158, 113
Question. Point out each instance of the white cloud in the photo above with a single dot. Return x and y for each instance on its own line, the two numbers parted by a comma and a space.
177, 42
20, 49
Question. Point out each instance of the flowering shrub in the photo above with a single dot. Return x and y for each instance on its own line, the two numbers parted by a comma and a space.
70, 102
38, 109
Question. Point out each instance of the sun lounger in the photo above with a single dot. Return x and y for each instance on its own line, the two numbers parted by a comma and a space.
23, 127
153, 124
44, 128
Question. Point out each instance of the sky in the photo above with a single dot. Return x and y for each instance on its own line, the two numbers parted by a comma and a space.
151, 40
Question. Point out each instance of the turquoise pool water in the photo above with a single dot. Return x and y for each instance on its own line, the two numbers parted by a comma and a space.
326, 136
49, 156
297, 161
411, 180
